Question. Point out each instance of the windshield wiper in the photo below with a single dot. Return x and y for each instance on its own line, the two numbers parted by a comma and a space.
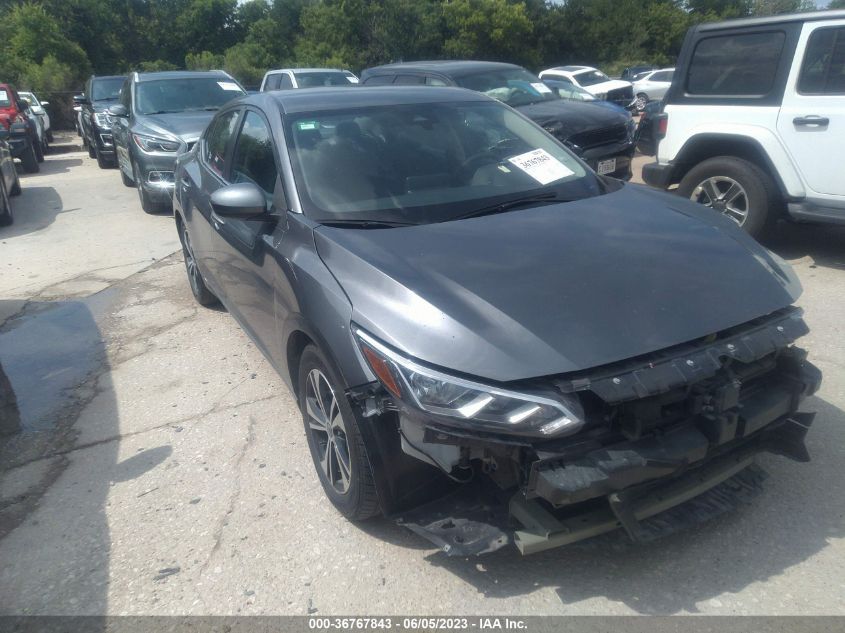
365, 224
162, 112
507, 205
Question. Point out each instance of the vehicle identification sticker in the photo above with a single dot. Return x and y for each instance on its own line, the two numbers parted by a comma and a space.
352, 80
228, 85
541, 166
4, 96
606, 166
541, 88
307, 125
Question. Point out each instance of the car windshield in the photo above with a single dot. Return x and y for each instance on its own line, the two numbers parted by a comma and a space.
28, 97
106, 89
569, 91
516, 87
591, 78
426, 163
319, 79
179, 95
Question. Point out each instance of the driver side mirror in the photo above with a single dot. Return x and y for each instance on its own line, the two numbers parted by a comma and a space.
119, 110
80, 99
241, 200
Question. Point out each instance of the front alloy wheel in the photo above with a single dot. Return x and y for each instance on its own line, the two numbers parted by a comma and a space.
333, 431
198, 288
328, 431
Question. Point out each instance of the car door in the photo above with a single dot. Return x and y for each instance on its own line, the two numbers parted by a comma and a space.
205, 176
120, 130
243, 248
811, 121
659, 83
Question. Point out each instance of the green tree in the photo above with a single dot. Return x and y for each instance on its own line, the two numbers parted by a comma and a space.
775, 7
488, 29
203, 61
836, 4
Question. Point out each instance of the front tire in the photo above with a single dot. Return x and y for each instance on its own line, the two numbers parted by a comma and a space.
39, 150
16, 188
103, 163
735, 187
641, 101
337, 447
200, 291
30, 160
6, 217
92, 152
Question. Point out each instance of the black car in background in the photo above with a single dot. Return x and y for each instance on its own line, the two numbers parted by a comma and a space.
159, 116
632, 72
100, 93
602, 138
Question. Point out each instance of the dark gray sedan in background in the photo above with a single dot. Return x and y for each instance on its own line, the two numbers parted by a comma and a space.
159, 115
481, 332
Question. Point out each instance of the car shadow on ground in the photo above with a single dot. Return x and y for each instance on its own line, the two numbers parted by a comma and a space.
54, 535
799, 510
35, 209
51, 166
823, 243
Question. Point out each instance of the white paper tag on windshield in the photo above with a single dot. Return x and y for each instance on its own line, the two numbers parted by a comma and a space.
228, 85
541, 166
352, 80
541, 88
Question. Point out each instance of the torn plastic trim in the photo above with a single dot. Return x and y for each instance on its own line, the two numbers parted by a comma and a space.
687, 364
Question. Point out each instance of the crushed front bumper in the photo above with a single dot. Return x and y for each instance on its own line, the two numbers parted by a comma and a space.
687, 422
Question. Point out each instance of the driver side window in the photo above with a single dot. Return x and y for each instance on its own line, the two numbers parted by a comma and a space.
217, 141
253, 160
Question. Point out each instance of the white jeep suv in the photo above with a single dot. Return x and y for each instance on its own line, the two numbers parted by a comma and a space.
753, 124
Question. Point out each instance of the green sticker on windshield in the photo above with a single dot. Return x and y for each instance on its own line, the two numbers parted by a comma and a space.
307, 125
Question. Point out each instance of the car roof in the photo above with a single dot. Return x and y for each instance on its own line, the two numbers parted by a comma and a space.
572, 69
448, 67
809, 16
180, 74
335, 98
96, 77
305, 70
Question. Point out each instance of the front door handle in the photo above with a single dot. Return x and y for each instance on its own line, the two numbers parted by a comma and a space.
811, 120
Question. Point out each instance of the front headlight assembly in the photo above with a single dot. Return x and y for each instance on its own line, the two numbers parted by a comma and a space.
155, 144
464, 402
103, 120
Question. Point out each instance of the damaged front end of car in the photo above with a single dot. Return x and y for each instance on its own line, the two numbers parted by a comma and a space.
555, 460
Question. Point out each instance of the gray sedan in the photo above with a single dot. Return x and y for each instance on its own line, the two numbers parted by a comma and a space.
486, 339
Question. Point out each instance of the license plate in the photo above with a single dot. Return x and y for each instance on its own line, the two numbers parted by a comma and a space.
606, 166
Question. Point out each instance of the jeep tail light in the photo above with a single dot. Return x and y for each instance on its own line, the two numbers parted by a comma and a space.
662, 125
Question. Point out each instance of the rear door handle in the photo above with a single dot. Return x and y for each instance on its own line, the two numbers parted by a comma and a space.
812, 119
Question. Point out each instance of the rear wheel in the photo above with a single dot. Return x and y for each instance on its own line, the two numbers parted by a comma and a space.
30, 160
5, 205
198, 288
337, 447
735, 187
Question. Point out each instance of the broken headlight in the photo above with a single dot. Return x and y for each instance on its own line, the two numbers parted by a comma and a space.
465, 402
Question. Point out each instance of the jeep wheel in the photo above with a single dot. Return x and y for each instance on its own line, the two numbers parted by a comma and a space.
30, 160
734, 187
336, 444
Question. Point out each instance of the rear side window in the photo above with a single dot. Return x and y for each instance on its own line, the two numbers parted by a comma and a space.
736, 65
823, 68
217, 141
409, 80
434, 81
665, 75
379, 80
285, 82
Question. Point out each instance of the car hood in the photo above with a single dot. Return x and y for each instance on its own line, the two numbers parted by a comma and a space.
606, 86
185, 125
572, 117
556, 288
